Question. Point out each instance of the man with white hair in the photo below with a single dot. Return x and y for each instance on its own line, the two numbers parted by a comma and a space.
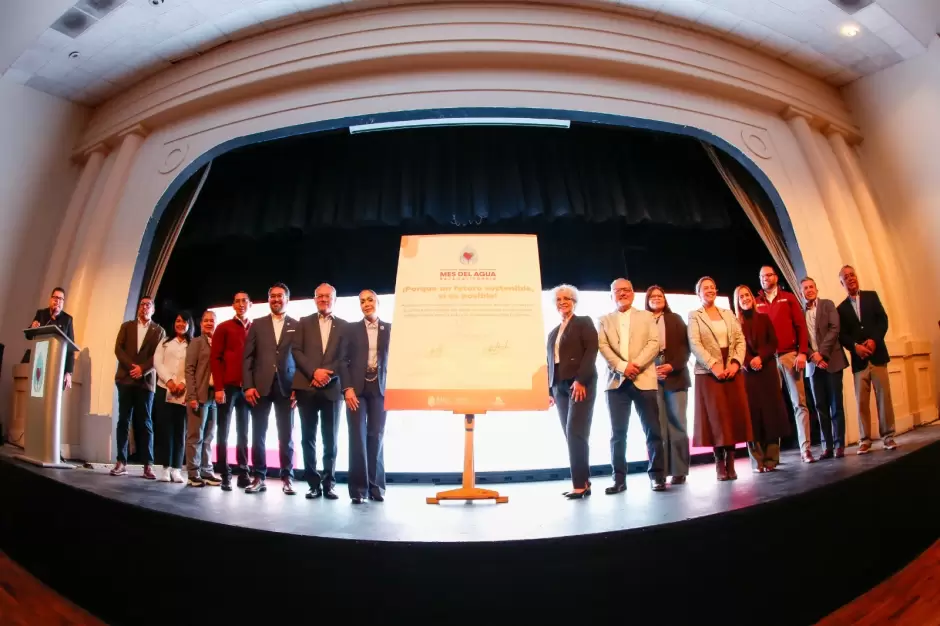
629, 341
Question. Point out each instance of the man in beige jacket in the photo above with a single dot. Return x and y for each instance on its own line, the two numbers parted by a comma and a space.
629, 342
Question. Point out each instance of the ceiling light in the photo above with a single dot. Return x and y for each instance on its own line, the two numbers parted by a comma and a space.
461, 121
74, 54
849, 30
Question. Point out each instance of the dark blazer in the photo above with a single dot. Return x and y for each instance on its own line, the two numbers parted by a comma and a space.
64, 322
827, 338
677, 353
309, 355
760, 339
577, 352
354, 355
264, 357
873, 325
125, 349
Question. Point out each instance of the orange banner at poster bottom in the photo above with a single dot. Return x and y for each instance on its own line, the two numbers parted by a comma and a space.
476, 401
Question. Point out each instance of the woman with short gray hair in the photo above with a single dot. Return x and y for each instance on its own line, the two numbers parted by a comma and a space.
572, 378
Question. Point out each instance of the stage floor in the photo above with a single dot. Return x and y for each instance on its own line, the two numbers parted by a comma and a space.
535, 510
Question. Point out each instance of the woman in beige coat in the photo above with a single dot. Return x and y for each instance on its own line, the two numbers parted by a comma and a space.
722, 416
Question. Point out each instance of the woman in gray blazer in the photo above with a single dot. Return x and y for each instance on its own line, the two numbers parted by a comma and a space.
722, 416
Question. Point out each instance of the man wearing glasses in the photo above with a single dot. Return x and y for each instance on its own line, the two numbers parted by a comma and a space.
55, 316
317, 389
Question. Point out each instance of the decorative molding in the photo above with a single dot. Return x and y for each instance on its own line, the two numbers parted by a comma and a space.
136, 129
850, 137
756, 144
174, 158
792, 112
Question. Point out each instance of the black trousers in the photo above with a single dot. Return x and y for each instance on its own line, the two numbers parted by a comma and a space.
236, 405
169, 430
284, 420
619, 402
575, 418
315, 408
827, 395
366, 444
135, 403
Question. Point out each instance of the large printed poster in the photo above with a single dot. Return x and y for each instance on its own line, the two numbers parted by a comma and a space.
468, 332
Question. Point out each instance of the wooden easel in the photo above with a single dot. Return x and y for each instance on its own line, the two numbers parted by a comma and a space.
469, 490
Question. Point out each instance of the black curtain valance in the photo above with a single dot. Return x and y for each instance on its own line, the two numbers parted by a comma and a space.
458, 176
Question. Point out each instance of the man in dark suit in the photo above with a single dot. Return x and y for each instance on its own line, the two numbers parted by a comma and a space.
863, 326
268, 372
363, 357
136, 379
317, 389
824, 368
55, 316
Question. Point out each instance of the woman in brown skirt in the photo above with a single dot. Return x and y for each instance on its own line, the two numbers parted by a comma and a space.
722, 416
768, 414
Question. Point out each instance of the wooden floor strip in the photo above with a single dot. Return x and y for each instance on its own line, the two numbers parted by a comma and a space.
909, 598
26, 601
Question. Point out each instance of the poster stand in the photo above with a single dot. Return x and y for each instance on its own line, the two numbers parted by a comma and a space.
468, 490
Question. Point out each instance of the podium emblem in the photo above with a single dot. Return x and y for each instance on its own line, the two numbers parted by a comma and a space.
38, 379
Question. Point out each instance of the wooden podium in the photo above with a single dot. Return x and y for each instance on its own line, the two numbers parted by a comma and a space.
469, 490
44, 402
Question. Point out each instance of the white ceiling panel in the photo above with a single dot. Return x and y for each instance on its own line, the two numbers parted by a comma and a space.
138, 39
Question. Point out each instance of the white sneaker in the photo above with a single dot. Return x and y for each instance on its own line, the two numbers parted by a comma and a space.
166, 476
175, 476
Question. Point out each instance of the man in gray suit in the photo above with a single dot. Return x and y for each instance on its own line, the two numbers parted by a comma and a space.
629, 341
267, 374
824, 368
202, 414
316, 386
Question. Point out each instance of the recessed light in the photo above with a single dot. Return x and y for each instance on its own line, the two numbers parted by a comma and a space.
849, 30
74, 54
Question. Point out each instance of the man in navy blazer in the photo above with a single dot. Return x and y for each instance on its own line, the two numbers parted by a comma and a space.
363, 359
267, 374
824, 368
316, 386
55, 316
864, 325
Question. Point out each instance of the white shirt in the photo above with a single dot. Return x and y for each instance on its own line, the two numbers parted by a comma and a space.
771, 295
811, 324
278, 327
561, 330
372, 330
623, 319
326, 323
721, 331
857, 305
170, 361
141, 334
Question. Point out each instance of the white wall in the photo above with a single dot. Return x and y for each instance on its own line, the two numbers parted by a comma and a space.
898, 110
23, 21
37, 133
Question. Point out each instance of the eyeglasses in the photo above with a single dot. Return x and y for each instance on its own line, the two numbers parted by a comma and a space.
58, 298
623, 290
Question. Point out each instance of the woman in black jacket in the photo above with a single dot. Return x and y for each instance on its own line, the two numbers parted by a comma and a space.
572, 378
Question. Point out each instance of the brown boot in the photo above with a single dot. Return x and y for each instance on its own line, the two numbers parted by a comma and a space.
721, 467
729, 463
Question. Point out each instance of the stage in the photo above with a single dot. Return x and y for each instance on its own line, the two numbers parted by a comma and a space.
793, 545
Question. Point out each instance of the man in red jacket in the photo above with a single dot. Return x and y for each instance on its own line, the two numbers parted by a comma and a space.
228, 347
786, 313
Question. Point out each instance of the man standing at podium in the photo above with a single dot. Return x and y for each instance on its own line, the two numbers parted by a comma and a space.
55, 316
136, 379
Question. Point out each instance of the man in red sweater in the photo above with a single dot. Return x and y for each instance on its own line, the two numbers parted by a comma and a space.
228, 347
786, 313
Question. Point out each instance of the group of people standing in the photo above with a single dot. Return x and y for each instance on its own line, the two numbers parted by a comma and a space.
743, 360
179, 391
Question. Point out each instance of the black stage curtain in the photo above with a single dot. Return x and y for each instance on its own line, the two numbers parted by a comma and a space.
604, 201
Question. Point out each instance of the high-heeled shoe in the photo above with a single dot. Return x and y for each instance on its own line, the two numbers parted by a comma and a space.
577, 495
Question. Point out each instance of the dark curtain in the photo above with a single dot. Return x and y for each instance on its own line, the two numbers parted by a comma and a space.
603, 201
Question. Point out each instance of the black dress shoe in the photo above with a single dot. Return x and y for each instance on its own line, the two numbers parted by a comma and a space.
226, 484
358, 500
377, 497
329, 494
243, 481
658, 484
314, 493
616, 488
